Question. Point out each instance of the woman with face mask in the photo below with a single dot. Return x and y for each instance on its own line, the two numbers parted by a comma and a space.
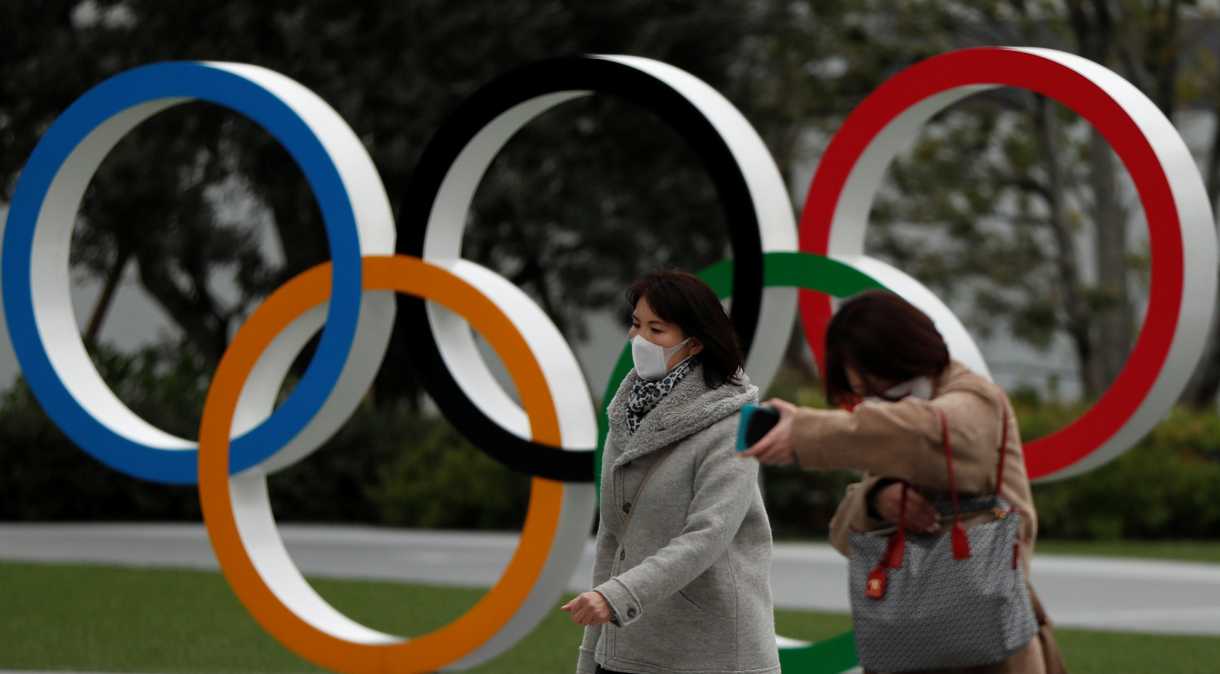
889, 369
681, 580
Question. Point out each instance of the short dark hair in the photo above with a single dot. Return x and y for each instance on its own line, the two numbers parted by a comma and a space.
683, 299
880, 335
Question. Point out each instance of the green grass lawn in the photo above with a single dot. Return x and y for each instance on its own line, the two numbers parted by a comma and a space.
158, 620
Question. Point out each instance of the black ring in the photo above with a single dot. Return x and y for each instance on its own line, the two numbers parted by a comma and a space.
581, 73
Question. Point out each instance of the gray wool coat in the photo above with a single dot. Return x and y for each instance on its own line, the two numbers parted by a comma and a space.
684, 556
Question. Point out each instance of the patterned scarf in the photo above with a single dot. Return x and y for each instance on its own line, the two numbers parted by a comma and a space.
646, 394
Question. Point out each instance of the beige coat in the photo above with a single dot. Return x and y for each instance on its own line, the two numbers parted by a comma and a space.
902, 440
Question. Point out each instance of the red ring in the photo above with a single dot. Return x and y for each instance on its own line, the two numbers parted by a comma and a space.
1007, 67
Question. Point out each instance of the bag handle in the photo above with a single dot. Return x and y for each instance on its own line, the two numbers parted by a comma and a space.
961, 543
875, 586
897, 543
1002, 454
999, 471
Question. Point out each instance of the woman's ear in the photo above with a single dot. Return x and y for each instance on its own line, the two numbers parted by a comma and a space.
695, 345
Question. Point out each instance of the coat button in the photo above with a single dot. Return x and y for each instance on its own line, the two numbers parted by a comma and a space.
627, 508
631, 612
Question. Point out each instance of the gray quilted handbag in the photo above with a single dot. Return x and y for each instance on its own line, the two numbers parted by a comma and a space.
941, 600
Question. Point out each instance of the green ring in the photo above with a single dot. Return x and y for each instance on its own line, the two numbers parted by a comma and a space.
787, 270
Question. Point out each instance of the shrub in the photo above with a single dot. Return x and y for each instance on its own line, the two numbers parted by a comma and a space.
1163, 488
394, 465
387, 465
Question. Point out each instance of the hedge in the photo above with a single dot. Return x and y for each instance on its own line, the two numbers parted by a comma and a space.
396, 465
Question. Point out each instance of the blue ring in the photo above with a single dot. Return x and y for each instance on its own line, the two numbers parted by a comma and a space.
140, 85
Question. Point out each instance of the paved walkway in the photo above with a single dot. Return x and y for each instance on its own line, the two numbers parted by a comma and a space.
1106, 594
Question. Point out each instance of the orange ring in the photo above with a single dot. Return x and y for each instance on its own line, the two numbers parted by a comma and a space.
447, 644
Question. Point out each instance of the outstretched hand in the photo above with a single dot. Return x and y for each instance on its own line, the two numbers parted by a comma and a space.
589, 608
776, 447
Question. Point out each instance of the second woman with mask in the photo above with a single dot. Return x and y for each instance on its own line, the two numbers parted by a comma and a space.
681, 580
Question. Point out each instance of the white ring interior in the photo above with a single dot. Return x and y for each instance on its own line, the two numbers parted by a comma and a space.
260, 537
442, 245
772, 203
50, 282
252, 509
50, 285
447, 222
1194, 210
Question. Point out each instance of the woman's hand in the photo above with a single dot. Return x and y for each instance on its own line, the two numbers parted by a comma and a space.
921, 516
776, 446
590, 608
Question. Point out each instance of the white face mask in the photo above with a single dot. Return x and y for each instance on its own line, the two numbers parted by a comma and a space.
920, 387
652, 360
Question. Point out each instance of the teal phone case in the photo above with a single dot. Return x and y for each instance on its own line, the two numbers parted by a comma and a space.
742, 428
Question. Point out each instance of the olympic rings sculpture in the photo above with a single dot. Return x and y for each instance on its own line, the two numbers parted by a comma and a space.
554, 432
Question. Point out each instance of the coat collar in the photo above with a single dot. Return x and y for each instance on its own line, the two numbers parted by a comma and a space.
689, 408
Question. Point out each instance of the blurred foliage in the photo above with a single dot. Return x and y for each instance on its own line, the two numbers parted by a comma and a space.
584, 199
395, 465
1013, 208
1007, 205
46, 477
1163, 488
398, 466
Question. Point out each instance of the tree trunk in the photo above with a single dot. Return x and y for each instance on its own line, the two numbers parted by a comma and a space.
1111, 313
102, 307
1075, 307
193, 312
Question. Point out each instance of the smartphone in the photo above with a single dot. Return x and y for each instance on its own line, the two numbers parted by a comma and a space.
756, 421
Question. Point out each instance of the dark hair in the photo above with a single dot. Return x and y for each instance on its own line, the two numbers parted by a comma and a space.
881, 335
682, 299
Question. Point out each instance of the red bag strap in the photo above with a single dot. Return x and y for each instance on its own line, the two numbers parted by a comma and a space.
897, 543
944, 440
999, 471
961, 543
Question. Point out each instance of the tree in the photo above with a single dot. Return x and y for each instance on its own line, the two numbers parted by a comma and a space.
1023, 200
151, 203
579, 203
570, 212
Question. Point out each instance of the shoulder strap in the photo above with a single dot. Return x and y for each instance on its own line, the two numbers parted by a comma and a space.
1002, 453
892, 558
961, 543
999, 471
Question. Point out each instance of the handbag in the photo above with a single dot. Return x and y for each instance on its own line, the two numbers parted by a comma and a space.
942, 600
